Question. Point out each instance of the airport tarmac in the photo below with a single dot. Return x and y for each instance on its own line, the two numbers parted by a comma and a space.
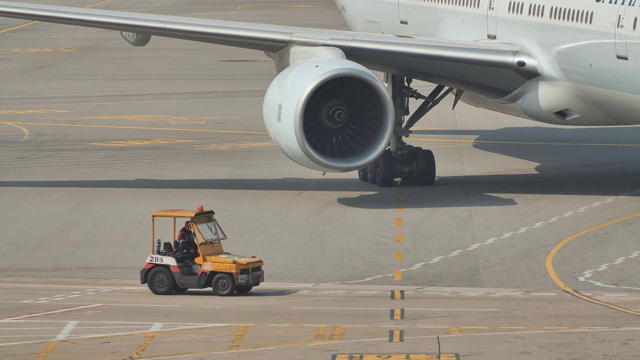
525, 248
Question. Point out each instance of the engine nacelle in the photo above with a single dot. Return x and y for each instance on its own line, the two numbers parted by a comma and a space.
329, 114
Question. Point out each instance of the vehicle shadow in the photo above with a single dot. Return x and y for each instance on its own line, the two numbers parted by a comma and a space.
252, 293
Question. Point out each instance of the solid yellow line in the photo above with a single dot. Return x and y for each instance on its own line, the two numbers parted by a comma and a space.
399, 221
98, 4
18, 27
146, 128
564, 287
143, 346
237, 341
24, 130
35, 22
48, 350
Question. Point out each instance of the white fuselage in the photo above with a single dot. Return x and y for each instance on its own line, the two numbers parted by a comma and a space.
589, 50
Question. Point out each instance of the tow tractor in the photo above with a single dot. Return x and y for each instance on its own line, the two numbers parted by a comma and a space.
198, 260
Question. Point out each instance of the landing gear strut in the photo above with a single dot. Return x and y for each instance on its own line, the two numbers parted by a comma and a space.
401, 160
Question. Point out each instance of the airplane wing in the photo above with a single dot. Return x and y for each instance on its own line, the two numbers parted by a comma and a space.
325, 109
490, 68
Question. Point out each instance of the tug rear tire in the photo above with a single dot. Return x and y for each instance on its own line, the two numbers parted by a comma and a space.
160, 281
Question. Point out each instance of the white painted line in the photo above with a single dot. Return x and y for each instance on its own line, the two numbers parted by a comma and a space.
66, 330
156, 327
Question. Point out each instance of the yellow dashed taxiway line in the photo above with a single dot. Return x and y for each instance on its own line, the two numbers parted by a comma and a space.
565, 287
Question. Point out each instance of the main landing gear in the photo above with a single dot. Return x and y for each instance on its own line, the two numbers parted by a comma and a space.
409, 163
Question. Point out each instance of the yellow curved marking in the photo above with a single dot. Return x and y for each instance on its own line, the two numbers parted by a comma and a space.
567, 289
24, 130
35, 22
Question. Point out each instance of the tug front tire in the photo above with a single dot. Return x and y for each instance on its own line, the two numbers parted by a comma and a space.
160, 281
223, 284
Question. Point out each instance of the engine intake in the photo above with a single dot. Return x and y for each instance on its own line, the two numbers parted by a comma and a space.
329, 114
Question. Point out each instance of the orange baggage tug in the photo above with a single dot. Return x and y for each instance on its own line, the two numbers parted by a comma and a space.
171, 267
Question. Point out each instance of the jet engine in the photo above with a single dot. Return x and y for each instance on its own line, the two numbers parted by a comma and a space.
329, 114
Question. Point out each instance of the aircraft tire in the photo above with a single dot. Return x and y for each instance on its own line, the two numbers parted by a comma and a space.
363, 174
426, 168
372, 171
386, 169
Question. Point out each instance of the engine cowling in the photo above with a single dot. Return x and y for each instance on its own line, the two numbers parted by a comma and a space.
329, 114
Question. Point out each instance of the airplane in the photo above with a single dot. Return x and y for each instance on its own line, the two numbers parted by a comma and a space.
570, 62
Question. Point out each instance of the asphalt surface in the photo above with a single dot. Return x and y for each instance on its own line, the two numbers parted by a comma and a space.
525, 248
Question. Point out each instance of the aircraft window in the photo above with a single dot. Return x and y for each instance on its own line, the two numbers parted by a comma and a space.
582, 16
591, 18
635, 24
542, 11
564, 14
